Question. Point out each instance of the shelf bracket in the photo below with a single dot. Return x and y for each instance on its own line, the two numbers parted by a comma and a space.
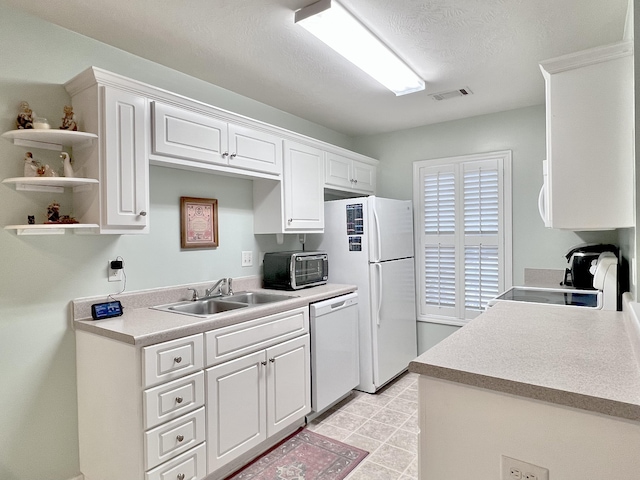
33, 144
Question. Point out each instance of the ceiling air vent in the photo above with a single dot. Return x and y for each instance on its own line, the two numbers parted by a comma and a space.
461, 92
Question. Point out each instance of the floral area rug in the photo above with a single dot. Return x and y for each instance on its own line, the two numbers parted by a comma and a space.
304, 456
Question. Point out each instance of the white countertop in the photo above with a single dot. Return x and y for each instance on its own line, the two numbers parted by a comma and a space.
141, 325
576, 357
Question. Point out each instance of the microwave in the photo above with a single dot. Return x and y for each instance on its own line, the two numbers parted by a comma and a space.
295, 270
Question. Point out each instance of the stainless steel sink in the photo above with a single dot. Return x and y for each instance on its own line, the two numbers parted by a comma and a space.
206, 307
256, 298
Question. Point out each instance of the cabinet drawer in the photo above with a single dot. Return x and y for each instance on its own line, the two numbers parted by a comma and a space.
170, 400
172, 438
236, 340
191, 465
173, 359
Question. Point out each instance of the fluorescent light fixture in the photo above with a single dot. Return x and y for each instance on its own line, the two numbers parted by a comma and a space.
335, 26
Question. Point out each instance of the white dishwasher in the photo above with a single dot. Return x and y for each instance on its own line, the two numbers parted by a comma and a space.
335, 364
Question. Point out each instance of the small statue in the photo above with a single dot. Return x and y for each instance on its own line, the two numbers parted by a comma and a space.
46, 171
31, 219
25, 117
66, 162
31, 165
53, 212
69, 120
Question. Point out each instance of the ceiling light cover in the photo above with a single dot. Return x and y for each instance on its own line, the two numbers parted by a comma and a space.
334, 25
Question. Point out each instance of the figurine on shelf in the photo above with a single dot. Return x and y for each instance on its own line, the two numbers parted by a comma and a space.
25, 117
31, 219
53, 213
47, 171
69, 120
66, 162
31, 165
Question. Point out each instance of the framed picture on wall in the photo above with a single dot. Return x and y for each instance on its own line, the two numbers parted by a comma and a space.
198, 222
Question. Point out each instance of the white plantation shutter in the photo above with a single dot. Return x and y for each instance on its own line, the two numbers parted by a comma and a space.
440, 275
464, 234
481, 275
481, 200
439, 203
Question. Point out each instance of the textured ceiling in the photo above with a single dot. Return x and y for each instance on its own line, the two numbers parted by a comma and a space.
252, 47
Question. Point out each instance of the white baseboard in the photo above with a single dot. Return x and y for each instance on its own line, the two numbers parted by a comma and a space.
79, 477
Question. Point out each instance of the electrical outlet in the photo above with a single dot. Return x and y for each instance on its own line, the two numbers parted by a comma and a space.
113, 275
247, 259
513, 469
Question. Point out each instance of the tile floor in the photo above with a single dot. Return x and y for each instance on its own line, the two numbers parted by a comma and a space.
385, 424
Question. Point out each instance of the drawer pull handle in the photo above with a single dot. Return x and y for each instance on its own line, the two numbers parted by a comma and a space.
263, 363
179, 399
181, 476
177, 359
180, 438
272, 360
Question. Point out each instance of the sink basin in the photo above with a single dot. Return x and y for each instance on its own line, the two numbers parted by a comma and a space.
206, 307
256, 298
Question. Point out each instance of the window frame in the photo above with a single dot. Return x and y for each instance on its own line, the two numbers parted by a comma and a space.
458, 315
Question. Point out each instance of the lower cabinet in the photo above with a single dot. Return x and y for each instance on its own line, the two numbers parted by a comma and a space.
190, 408
254, 397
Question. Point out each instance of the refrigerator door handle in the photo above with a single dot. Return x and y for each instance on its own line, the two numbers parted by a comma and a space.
379, 275
377, 222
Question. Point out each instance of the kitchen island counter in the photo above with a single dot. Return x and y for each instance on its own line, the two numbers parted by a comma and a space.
142, 325
586, 359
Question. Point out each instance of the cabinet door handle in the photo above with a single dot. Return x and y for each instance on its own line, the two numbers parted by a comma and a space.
179, 399
181, 476
272, 360
233, 155
225, 154
143, 213
180, 438
177, 359
263, 363
289, 221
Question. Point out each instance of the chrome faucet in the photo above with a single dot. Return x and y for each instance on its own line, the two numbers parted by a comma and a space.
218, 285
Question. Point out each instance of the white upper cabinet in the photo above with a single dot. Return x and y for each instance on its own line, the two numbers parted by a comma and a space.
138, 124
589, 178
125, 167
296, 204
183, 134
119, 160
346, 174
303, 188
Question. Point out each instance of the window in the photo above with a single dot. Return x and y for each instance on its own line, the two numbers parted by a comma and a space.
463, 234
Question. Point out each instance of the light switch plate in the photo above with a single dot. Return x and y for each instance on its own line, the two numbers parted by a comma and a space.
247, 259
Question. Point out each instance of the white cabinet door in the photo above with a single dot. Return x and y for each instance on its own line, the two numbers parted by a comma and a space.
125, 162
236, 408
364, 177
288, 383
347, 174
253, 150
338, 171
590, 138
303, 187
185, 134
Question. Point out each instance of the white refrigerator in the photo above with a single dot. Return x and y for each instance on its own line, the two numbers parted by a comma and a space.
369, 241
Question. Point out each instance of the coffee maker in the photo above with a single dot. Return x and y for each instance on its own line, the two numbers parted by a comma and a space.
582, 260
